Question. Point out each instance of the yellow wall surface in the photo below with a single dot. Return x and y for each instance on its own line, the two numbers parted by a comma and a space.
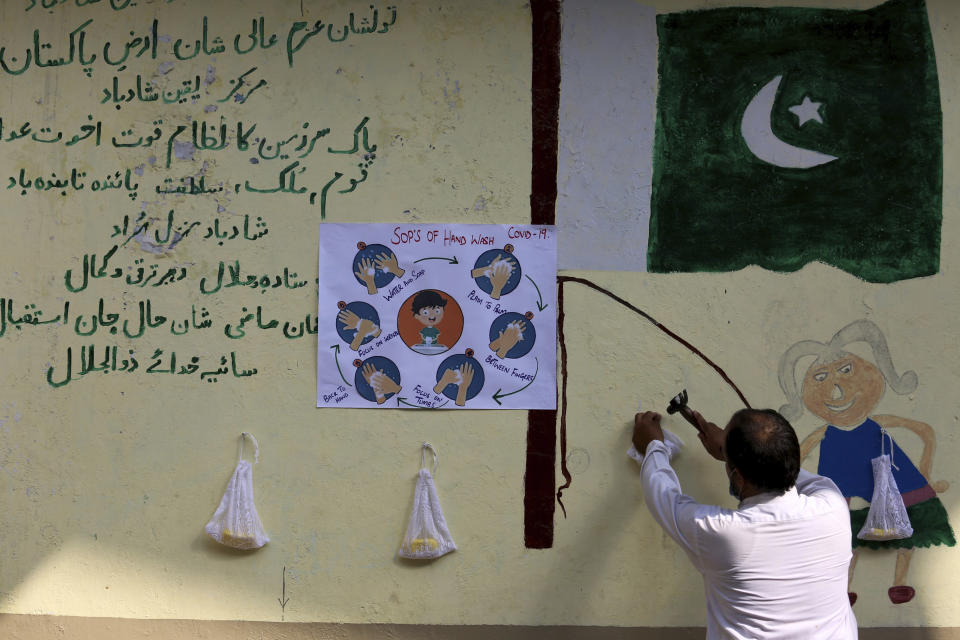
107, 481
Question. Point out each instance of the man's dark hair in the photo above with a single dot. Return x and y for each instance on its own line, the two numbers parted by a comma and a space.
427, 298
764, 448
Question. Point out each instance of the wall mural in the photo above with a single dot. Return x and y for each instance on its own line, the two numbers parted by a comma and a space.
844, 390
791, 135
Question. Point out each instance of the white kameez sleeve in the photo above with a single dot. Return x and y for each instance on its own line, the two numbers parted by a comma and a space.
672, 510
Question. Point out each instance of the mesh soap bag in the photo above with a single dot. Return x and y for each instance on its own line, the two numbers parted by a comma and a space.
427, 535
887, 518
235, 522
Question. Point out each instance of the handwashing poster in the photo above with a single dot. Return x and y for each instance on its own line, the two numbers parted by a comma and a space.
437, 316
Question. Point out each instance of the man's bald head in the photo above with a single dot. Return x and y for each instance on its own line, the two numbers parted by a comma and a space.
764, 448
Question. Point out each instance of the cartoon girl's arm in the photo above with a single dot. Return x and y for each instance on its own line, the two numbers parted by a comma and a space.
811, 441
923, 430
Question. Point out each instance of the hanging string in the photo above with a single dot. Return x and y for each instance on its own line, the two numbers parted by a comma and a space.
436, 458
256, 447
883, 432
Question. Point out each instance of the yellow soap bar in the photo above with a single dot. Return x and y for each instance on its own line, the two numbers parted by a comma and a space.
876, 533
231, 539
420, 545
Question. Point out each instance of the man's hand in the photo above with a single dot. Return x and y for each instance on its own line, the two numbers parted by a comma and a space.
646, 429
712, 437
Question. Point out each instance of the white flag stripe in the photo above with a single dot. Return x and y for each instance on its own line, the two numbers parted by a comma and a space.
607, 116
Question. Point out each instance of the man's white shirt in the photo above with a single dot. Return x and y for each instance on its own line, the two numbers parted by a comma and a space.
776, 567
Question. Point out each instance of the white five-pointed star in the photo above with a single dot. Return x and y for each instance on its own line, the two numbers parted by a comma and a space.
807, 110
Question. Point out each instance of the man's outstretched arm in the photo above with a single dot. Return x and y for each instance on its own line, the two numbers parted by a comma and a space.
672, 510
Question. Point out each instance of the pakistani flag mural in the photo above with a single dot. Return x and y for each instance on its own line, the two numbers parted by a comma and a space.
789, 135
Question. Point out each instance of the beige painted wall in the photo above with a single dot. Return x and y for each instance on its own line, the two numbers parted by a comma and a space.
106, 483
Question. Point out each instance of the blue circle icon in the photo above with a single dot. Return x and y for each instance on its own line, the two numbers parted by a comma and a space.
492, 260
348, 322
505, 327
367, 263
376, 368
453, 369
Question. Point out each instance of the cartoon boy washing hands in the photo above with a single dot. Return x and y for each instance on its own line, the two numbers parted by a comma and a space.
428, 306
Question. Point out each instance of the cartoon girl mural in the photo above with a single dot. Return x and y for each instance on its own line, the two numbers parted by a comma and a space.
843, 389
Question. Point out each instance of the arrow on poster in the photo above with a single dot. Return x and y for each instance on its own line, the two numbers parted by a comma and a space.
540, 305
336, 352
452, 260
496, 396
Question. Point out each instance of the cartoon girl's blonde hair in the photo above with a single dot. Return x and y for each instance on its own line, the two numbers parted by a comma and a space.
856, 331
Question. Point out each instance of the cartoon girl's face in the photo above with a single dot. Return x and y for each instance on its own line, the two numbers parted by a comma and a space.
843, 392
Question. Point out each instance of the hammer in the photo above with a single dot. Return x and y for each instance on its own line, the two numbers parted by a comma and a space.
679, 403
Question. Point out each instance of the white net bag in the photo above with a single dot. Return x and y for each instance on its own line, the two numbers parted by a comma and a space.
235, 522
887, 518
427, 535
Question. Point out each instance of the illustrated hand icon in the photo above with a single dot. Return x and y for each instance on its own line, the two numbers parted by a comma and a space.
466, 377
384, 385
487, 270
499, 276
366, 274
389, 264
374, 378
367, 328
349, 319
450, 376
510, 336
362, 326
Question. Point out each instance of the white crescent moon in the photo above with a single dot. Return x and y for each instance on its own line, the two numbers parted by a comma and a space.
758, 134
